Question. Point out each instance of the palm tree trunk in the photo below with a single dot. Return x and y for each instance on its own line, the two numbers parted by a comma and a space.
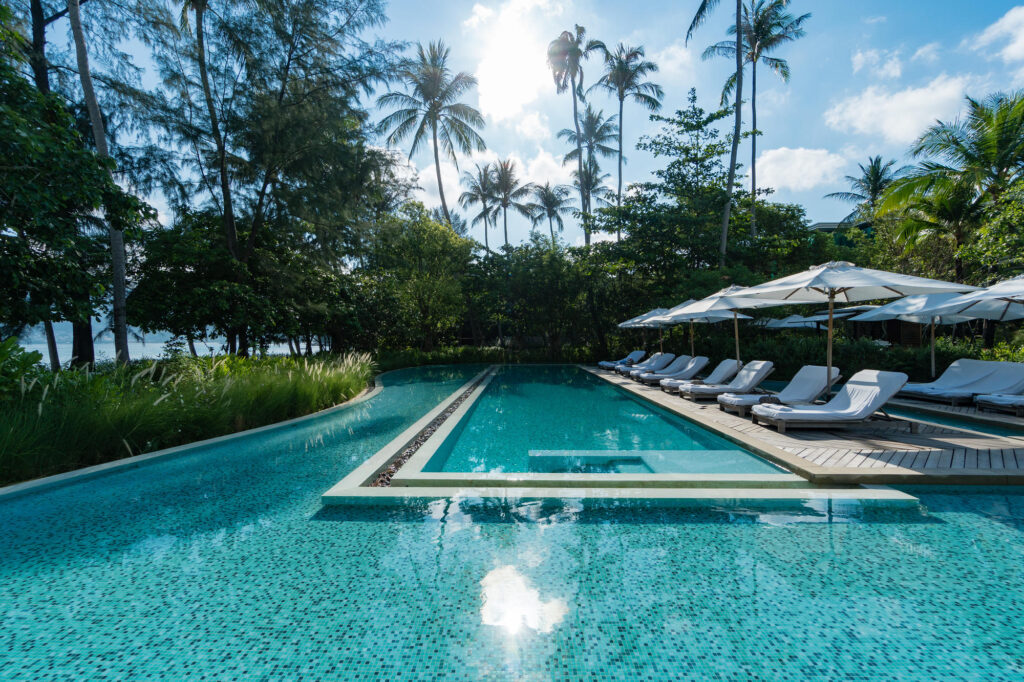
120, 311
618, 199
579, 161
753, 149
437, 167
727, 209
504, 213
51, 346
551, 228
487, 245
230, 232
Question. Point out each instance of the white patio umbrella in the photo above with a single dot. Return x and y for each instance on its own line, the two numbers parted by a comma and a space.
643, 321
675, 316
914, 309
848, 283
724, 301
1001, 302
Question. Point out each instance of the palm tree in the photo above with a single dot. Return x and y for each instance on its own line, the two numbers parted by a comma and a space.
703, 12
766, 25
971, 163
868, 188
625, 73
595, 134
947, 215
432, 107
481, 190
510, 192
590, 183
551, 202
566, 55
117, 255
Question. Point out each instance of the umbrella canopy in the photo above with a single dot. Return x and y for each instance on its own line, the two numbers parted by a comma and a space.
675, 316
640, 319
848, 283
914, 309
1003, 301
724, 301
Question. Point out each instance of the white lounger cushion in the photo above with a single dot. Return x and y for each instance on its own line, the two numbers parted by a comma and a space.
966, 378
859, 398
673, 367
806, 385
645, 365
664, 361
1004, 399
725, 371
632, 357
693, 366
746, 381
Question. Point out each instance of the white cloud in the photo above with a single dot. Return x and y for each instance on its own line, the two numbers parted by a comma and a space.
880, 63
1008, 30
479, 15
513, 71
899, 116
875, 20
799, 169
427, 179
927, 53
511, 602
546, 167
534, 126
676, 62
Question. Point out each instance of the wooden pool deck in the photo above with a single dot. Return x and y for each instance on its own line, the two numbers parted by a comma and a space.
879, 452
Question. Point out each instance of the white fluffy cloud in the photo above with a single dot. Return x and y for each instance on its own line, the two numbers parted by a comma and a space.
479, 15
799, 169
546, 167
427, 180
927, 53
880, 63
899, 116
676, 62
1007, 31
533, 126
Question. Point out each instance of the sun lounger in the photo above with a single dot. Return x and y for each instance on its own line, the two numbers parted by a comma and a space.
966, 378
630, 359
746, 380
725, 371
859, 398
1001, 402
688, 371
646, 365
675, 366
805, 387
664, 361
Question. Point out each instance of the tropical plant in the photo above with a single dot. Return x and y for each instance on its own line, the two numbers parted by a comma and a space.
867, 188
481, 191
970, 164
511, 192
551, 202
766, 25
432, 107
700, 16
595, 134
590, 183
566, 55
625, 73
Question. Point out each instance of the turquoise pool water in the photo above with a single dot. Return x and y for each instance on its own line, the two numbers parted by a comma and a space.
222, 564
561, 418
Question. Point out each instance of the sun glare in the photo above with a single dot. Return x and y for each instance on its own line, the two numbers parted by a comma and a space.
513, 71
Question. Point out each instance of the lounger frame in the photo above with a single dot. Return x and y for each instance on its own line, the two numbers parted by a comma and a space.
783, 424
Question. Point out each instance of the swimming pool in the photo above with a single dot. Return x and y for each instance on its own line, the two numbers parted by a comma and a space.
223, 563
560, 418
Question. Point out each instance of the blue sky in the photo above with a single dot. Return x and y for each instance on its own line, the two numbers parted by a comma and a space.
867, 79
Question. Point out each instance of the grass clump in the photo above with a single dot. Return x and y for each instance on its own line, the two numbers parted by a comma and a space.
50, 423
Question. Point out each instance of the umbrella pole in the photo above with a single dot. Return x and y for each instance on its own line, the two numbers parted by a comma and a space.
692, 353
828, 370
933, 348
661, 339
736, 332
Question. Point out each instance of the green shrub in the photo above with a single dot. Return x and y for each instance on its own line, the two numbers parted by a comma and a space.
77, 418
